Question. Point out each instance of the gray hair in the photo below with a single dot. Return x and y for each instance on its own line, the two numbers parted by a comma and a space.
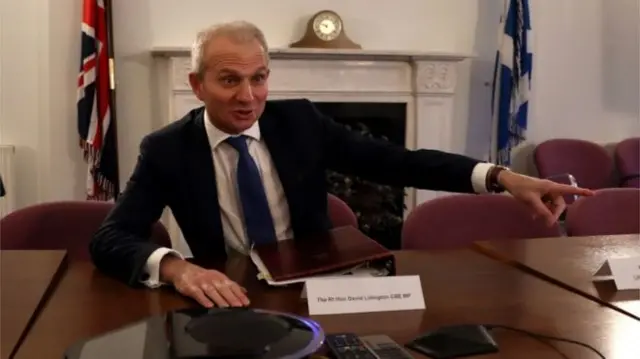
240, 31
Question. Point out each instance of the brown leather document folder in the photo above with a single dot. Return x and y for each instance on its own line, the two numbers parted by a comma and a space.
339, 248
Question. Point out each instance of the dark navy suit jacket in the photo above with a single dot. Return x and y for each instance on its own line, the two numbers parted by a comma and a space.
175, 169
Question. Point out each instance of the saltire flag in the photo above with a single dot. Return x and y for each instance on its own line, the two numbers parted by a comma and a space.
511, 81
96, 113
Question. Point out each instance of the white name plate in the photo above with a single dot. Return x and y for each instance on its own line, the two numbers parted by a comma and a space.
626, 272
340, 295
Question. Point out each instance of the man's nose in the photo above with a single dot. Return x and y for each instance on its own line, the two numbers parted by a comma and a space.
245, 92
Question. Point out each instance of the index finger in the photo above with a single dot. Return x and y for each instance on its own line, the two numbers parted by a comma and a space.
568, 189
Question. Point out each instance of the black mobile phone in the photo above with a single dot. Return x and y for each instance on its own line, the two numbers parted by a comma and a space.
455, 342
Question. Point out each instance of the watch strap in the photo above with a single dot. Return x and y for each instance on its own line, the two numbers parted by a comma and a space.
492, 183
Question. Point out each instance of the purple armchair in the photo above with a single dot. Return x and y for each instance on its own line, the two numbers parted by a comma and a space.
589, 163
610, 211
627, 158
340, 213
458, 220
61, 225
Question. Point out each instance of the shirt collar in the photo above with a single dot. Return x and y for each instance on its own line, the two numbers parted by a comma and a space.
217, 136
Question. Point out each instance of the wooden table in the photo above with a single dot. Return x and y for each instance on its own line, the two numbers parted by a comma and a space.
27, 278
460, 287
571, 262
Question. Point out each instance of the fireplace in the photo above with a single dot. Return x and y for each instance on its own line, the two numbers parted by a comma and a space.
379, 208
407, 98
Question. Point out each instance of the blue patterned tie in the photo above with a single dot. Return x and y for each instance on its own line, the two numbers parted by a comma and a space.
255, 207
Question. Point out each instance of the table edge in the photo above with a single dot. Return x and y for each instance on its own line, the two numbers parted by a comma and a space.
48, 293
487, 250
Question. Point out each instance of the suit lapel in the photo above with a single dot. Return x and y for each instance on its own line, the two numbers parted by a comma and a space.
205, 192
283, 158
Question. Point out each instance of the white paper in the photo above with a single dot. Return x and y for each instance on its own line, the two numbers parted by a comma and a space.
626, 272
358, 272
339, 295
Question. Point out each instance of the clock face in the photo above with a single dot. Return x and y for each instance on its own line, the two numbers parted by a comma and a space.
327, 26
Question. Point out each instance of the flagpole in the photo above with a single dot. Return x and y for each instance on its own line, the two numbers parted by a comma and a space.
112, 89
493, 153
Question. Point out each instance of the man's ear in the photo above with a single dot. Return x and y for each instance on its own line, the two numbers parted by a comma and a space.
195, 81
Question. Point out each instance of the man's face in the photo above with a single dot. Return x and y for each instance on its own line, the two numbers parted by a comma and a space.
233, 85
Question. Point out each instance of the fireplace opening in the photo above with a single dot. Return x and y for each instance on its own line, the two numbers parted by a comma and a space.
379, 208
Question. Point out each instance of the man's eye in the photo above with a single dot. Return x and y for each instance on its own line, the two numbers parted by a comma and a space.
259, 79
229, 80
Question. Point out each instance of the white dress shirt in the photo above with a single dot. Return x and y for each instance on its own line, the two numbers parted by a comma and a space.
225, 160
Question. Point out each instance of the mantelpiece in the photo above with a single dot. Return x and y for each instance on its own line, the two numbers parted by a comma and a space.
425, 82
333, 54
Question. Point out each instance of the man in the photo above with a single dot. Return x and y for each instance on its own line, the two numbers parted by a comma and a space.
243, 170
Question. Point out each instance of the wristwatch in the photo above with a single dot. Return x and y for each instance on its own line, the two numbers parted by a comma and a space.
492, 183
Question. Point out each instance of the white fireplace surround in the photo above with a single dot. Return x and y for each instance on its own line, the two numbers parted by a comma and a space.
426, 82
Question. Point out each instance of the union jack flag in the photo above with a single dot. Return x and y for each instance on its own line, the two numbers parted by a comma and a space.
96, 120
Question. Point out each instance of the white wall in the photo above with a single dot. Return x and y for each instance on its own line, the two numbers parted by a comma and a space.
579, 90
38, 76
587, 70
20, 121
